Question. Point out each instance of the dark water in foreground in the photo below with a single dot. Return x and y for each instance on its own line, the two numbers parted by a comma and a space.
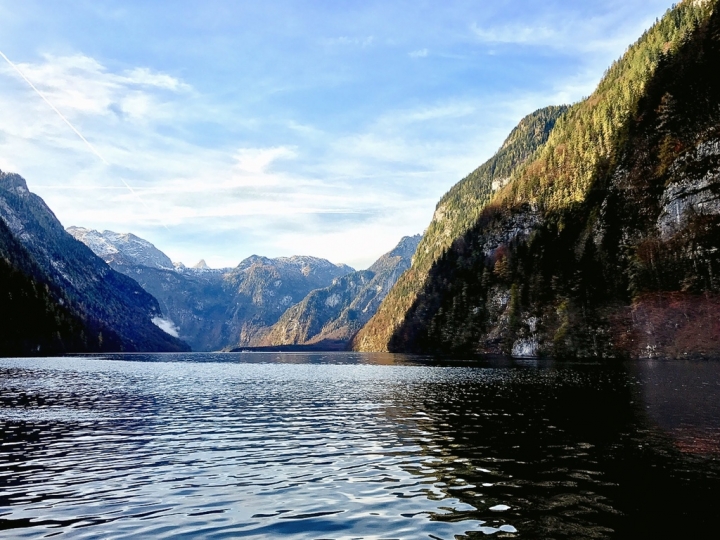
341, 446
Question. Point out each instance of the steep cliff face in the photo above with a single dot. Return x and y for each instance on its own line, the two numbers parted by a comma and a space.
265, 288
107, 310
332, 315
607, 243
214, 309
456, 212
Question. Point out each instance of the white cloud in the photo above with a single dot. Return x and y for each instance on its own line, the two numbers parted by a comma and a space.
345, 41
524, 35
257, 160
420, 53
80, 85
568, 31
147, 77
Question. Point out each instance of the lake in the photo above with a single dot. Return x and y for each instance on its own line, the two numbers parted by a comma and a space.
357, 446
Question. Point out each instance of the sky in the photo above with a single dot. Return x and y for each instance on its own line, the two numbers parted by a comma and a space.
222, 129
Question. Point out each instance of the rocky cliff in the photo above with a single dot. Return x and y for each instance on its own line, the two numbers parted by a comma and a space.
332, 315
456, 212
607, 242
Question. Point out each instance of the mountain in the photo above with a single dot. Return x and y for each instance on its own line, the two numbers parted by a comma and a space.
332, 315
456, 212
264, 288
122, 249
72, 301
215, 309
606, 243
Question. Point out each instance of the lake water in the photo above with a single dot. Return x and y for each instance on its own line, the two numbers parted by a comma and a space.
352, 446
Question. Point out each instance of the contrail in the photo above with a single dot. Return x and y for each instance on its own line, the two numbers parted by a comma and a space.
90, 146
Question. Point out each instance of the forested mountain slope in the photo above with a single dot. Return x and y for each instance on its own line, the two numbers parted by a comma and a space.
58, 295
332, 315
607, 242
456, 212
35, 319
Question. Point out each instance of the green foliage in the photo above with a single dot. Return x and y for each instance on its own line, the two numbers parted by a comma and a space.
594, 130
593, 249
457, 212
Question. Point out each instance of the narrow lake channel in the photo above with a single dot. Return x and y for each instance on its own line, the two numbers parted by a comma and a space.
356, 446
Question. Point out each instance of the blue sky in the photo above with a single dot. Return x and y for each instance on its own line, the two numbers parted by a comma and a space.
326, 128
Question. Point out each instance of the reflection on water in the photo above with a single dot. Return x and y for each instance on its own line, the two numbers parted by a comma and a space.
347, 445
682, 399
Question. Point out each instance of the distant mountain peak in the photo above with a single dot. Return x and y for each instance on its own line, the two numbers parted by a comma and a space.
13, 182
331, 315
122, 249
85, 305
201, 265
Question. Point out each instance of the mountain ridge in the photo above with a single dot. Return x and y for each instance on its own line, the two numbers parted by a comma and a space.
112, 307
335, 313
215, 309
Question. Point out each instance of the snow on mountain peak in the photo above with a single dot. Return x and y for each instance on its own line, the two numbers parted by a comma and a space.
122, 249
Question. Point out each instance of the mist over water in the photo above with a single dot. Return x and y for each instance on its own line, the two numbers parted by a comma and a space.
345, 445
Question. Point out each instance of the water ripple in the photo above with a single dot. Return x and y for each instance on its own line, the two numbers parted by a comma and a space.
331, 448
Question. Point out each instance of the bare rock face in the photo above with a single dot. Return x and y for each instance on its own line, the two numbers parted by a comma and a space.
332, 315
695, 190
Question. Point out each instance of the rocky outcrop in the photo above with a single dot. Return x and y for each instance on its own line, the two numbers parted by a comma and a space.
694, 191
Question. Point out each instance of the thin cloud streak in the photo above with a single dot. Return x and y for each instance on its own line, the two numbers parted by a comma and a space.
90, 146
39, 93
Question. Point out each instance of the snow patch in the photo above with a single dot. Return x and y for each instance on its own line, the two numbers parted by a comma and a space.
167, 326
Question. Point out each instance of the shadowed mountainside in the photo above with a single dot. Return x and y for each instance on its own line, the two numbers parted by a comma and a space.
60, 297
607, 242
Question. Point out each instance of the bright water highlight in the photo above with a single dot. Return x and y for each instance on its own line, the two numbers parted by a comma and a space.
341, 446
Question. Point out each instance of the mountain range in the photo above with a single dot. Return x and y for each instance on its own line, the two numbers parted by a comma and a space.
58, 296
255, 303
331, 316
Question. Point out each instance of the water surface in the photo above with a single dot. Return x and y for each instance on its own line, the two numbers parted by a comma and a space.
341, 446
